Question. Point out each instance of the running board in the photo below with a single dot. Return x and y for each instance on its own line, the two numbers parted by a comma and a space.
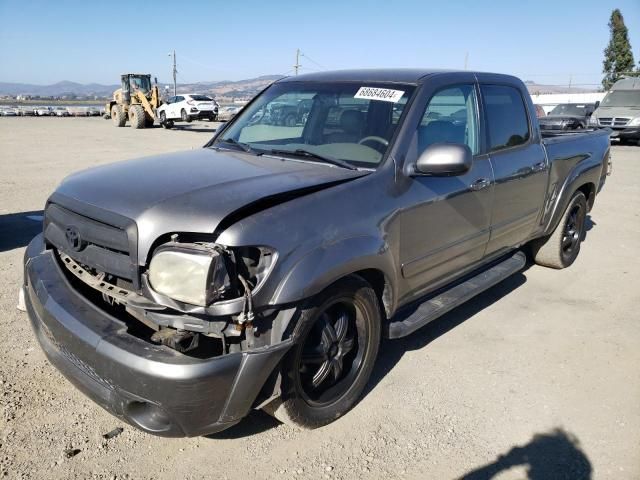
402, 325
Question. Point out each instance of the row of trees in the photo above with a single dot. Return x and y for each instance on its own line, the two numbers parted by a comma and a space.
618, 56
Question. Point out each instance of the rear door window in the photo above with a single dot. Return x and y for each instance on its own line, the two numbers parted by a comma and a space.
507, 119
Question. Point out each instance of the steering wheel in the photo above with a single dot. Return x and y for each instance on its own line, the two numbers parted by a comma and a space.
374, 138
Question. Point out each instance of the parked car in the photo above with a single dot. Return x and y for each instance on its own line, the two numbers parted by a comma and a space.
77, 111
8, 112
61, 112
43, 111
182, 290
93, 112
568, 116
227, 113
539, 111
26, 111
187, 107
620, 111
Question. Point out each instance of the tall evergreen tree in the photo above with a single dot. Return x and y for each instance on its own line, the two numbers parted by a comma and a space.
618, 57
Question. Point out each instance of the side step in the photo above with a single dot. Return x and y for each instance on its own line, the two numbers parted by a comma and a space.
402, 325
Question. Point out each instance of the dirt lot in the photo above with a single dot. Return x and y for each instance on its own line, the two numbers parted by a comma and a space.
540, 374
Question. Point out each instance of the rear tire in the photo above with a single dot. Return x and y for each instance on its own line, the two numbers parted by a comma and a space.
118, 116
137, 116
560, 249
184, 116
325, 373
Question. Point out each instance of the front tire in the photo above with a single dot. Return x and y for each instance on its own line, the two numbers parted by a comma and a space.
561, 248
118, 116
137, 116
324, 375
164, 122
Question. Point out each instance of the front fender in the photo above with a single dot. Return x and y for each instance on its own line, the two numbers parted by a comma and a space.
324, 265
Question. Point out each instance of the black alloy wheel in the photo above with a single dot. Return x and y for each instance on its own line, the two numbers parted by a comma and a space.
330, 357
573, 231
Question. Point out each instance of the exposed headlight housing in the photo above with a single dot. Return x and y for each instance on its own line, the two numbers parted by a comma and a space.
193, 273
593, 120
634, 122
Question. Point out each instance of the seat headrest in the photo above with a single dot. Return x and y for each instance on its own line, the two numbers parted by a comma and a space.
352, 121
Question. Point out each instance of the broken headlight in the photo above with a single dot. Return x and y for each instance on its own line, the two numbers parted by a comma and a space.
193, 273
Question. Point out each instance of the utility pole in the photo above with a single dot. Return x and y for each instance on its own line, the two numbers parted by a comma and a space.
175, 72
297, 65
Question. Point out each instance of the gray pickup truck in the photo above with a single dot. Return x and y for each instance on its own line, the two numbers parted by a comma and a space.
182, 290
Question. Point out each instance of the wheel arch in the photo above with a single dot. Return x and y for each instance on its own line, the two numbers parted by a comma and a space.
367, 257
583, 178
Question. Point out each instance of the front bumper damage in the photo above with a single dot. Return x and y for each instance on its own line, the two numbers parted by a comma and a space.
152, 387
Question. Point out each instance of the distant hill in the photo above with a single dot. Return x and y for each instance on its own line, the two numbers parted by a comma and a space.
226, 88
538, 89
57, 89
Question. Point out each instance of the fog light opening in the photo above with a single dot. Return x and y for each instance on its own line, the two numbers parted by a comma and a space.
148, 416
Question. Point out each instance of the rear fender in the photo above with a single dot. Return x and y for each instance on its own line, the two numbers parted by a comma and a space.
586, 172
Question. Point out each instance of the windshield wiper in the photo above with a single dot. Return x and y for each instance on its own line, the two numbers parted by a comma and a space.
301, 152
245, 147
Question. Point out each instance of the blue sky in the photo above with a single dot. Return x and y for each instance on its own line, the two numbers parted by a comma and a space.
94, 41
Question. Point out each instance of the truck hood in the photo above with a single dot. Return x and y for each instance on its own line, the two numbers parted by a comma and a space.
198, 191
559, 118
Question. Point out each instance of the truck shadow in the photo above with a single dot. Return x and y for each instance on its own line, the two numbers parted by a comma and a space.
547, 456
17, 229
256, 422
391, 351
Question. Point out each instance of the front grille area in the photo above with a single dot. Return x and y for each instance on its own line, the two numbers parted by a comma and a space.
105, 247
613, 122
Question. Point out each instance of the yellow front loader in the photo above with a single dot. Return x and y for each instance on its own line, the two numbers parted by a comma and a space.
136, 101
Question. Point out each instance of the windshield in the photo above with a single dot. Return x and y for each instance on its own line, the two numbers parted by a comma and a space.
350, 122
140, 83
574, 109
201, 98
622, 98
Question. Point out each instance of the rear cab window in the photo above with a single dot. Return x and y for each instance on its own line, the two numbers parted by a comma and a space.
506, 115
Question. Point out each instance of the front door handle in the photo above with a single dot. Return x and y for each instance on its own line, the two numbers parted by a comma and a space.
480, 184
538, 167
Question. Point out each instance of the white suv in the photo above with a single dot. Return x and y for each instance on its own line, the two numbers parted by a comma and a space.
187, 107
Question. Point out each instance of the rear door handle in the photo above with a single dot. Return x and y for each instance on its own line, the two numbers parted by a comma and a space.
480, 184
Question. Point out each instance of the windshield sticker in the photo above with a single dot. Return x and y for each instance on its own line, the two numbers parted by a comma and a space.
384, 94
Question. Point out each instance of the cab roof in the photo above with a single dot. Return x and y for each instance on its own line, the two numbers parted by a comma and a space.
393, 75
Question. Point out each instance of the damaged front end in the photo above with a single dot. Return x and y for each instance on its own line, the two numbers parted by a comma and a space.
165, 366
196, 297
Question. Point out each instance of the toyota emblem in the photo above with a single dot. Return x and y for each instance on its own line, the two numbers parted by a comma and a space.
73, 238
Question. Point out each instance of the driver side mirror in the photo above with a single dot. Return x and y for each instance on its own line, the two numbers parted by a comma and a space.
444, 159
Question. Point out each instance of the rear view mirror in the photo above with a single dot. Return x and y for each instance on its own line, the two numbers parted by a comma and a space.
444, 159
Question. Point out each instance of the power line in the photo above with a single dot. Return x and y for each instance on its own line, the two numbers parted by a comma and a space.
313, 61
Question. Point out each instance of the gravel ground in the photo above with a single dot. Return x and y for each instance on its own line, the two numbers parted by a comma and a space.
538, 377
